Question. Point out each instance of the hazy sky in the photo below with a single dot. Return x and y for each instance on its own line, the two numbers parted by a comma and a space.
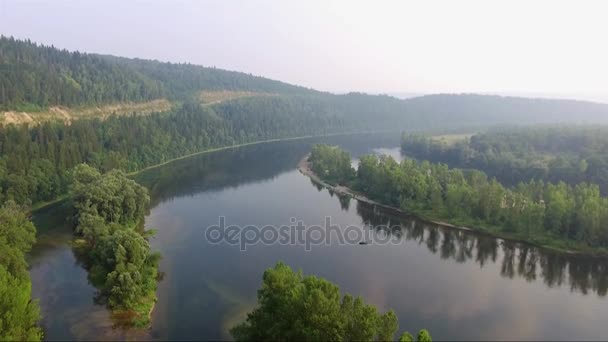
375, 46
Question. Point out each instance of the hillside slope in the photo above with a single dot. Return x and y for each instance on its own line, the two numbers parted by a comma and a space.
34, 77
39, 83
483, 110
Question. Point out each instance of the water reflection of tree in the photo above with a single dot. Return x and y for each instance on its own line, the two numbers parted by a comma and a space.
583, 274
220, 170
232, 168
344, 202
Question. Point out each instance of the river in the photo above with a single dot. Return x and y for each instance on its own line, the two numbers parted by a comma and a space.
458, 285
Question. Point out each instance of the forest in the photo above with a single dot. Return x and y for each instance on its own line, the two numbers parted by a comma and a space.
556, 215
34, 76
572, 154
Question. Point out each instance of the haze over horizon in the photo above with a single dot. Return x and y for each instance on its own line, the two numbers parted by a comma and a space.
539, 49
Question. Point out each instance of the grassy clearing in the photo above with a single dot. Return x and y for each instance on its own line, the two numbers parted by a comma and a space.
214, 97
68, 114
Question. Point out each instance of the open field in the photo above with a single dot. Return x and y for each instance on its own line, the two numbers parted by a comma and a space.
67, 114
214, 97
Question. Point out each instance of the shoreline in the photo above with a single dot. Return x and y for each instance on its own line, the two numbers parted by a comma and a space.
305, 169
257, 142
43, 205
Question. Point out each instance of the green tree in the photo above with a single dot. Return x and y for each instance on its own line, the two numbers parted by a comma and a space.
424, 336
406, 337
296, 307
19, 315
17, 235
387, 326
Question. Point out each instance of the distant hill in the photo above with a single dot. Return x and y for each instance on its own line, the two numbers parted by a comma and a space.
40, 83
485, 110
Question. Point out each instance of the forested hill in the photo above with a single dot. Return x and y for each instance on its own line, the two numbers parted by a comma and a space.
484, 110
34, 76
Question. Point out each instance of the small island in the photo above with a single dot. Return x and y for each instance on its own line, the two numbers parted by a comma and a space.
109, 215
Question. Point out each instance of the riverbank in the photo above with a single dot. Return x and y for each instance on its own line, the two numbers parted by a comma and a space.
259, 142
43, 205
304, 167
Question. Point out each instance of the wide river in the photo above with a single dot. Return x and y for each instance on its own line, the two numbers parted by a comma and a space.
459, 285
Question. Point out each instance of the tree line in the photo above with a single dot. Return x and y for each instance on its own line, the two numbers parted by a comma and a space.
294, 307
559, 215
109, 213
556, 153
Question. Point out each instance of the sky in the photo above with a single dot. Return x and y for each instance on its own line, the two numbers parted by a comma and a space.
545, 48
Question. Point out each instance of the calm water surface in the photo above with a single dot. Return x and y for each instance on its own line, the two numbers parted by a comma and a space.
459, 285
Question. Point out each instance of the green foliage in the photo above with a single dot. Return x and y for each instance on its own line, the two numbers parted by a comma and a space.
406, 337
306, 308
424, 336
17, 235
35, 76
109, 213
331, 163
552, 154
113, 196
533, 211
18, 314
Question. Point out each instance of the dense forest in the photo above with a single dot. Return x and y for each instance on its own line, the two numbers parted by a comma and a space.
555, 153
19, 315
109, 214
295, 307
35, 76
558, 215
